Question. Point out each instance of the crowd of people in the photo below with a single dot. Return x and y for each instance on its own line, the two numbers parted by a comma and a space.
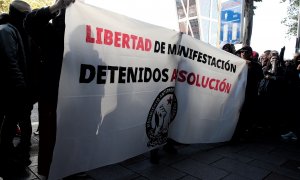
272, 95
31, 54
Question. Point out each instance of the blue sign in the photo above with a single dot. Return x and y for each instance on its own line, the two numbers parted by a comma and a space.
231, 22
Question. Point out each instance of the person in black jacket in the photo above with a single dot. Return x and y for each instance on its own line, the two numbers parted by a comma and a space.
291, 128
49, 35
14, 102
249, 113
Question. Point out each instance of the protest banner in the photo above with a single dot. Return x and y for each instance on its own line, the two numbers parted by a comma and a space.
126, 86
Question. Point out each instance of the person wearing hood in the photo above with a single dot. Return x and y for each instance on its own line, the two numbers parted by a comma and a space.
14, 92
47, 26
248, 114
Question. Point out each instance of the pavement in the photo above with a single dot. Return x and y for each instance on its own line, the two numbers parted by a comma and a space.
262, 157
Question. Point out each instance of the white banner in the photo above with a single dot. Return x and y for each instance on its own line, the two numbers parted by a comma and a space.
125, 85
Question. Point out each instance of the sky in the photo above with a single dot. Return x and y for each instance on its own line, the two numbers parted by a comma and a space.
158, 12
268, 32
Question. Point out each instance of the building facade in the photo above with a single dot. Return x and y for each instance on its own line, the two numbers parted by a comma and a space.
200, 19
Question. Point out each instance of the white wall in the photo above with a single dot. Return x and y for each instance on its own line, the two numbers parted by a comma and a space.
159, 12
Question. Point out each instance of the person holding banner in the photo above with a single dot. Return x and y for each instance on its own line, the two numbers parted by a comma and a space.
249, 109
49, 35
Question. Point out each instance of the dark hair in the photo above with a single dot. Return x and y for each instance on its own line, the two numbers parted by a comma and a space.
296, 59
4, 18
229, 48
246, 48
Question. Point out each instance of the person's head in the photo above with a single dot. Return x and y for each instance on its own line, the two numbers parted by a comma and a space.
263, 59
229, 48
246, 52
267, 53
18, 10
296, 58
4, 18
20, 5
273, 53
274, 58
226, 47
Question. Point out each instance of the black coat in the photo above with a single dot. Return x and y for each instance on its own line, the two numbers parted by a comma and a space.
49, 36
13, 71
16, 40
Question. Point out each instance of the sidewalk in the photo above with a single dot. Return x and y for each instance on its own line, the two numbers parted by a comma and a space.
260, 159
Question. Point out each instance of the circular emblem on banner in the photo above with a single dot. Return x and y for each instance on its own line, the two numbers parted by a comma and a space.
161, 114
